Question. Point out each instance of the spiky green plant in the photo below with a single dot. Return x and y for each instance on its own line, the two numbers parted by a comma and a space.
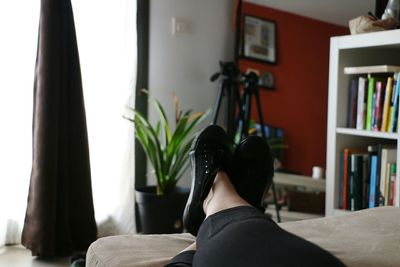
167, 149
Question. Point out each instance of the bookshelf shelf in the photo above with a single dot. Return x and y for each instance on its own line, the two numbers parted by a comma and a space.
355, 54
371, 69
365, 133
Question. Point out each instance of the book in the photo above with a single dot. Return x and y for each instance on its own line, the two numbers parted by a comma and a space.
364, 182
340, 204
387, 156
386, 104
352, 115
361, 103
372, 189
391, 106
393, 121
352, 181
356, 179
370, 96
346, 155
373, 117
377, 113
372, 150
378, 194
386, 194
392, 183
347, 152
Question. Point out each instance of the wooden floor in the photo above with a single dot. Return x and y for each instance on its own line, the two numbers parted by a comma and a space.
18, 256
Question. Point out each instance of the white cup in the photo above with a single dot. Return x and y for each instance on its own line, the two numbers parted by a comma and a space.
318, 172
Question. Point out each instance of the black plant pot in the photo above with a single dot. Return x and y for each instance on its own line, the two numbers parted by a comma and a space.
160, 214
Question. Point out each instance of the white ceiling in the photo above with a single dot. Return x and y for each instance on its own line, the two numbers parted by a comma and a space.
337, 12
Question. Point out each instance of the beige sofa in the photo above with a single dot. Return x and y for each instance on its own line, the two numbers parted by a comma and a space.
360, 239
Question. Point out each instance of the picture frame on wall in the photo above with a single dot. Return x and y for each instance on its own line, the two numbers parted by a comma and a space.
259, 39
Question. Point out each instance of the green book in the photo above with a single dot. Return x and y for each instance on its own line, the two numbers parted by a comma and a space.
371, 91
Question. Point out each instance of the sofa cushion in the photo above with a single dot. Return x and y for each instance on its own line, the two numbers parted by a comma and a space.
360, 239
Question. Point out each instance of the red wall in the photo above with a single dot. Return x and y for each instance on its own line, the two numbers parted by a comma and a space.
299, 101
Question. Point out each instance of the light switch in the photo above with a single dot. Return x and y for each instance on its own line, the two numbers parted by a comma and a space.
181, 26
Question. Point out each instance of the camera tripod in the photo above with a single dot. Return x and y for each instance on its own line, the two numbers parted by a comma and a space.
251, 88
229, 85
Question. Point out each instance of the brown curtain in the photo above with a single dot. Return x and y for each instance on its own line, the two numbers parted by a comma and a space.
59, 217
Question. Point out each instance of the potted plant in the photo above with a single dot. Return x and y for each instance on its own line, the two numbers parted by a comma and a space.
160, 207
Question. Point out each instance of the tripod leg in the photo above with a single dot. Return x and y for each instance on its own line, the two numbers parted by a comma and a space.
246, 116
237, 101
260, 116
240, 117
230, 110
218, 102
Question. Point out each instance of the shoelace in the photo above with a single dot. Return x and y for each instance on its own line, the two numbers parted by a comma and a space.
211, 158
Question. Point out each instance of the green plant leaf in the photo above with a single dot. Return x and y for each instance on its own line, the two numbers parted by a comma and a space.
152, 135
181, 160
164, 122
148, 144
158, 128
183, 129
195, 122
176, 139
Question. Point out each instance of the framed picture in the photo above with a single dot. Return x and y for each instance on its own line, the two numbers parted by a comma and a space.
259, 39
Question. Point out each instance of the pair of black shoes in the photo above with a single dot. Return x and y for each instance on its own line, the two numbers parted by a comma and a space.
249, 167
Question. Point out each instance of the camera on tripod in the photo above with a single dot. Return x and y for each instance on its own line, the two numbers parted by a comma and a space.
250, 81
230, 79
228, 70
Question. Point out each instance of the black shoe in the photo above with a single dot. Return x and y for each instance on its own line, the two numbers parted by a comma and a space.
211, 152
252, 170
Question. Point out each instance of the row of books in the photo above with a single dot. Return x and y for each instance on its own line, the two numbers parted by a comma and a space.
373, 103
367, 177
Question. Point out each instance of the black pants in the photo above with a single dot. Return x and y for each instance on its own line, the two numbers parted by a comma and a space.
243, 236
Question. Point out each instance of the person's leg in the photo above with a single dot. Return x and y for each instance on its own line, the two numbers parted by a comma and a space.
183, 258
252, 156
240, 235
222, 196
236, 233
190, 247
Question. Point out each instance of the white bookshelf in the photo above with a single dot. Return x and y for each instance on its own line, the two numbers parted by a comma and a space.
375, 52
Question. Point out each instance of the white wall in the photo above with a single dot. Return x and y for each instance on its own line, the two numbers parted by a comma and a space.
184, 63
